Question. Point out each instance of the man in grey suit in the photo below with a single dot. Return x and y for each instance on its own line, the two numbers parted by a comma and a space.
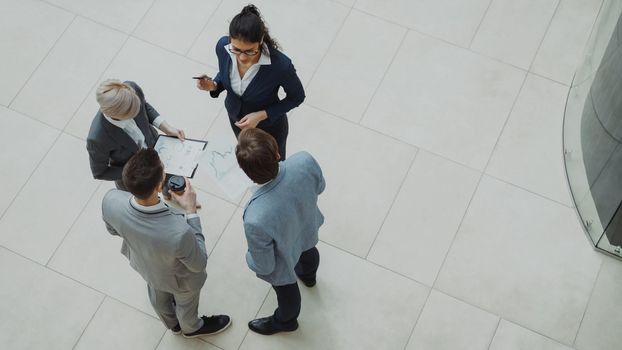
165, 246
281, 223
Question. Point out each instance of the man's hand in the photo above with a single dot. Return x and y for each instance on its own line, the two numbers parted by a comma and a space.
206, 83
251, 120
187, 199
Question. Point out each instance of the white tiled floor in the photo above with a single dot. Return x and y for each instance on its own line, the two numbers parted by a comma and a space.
437, 124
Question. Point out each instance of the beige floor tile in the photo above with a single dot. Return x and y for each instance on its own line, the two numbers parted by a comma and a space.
513, 30
29, 31
363, 172
529, 151
25, 143
63, 80
562, 47
355, 305
175, 24
453, 21
417, 233
599, 329
524, 258
510, 336
45, 209
447, 324
444, 99
118, 14
40, 308
354, 66
118, 326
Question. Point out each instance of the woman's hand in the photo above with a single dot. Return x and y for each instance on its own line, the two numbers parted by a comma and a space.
251, 120
206, 83
172, 131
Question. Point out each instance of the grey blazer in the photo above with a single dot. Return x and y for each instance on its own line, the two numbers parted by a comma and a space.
168, 251
282, 219
110, 147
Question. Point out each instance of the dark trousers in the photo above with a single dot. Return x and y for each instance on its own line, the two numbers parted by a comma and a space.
288, 296
279, 130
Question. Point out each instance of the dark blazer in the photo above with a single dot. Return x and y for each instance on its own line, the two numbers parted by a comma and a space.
110, 147
263, 91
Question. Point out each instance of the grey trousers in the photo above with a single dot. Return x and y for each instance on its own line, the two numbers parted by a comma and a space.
182, 308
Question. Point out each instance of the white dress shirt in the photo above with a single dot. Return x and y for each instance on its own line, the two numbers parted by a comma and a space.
239, 85
156, 207
132, 130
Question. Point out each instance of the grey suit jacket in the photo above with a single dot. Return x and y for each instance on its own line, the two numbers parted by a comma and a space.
282, 219
110, 147
167, 251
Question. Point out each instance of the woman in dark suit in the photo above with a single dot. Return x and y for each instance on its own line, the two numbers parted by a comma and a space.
251, 70
124, 124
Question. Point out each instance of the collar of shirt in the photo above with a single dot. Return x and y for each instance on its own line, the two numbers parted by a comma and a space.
150, 208
123, 124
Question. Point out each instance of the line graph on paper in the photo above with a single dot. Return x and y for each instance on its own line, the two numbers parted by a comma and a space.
219, 162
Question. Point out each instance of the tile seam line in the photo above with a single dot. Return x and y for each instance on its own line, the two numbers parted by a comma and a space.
256, 314
85, 17
412, 330
89, 322
52, 270
34, 71
384, 75
114, 57
73, 223
390, 208
207, 22
492, 312
480, 24
548, 27
589, 301
402, 142
494, 333
34, 170
175, 53
466, 211
142, 18
542, 196
387, 269
103, 71
330, 45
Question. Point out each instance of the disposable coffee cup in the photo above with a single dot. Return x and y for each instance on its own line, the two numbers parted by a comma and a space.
176, 183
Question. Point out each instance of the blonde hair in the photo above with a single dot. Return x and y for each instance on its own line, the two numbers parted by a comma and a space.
117, 99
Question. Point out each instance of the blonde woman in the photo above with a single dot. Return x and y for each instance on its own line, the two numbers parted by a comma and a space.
124, 124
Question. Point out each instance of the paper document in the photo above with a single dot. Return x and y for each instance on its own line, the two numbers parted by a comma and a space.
219, 162
179, 157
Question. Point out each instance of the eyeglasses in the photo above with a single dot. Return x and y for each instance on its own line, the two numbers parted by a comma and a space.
250, 53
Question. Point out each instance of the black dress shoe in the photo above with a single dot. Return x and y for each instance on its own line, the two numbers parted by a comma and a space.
267, 326
309, 282
211, 325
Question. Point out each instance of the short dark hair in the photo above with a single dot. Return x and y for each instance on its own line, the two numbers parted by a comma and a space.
143, 173
257, 154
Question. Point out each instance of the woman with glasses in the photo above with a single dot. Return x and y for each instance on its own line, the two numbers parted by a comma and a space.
251, 70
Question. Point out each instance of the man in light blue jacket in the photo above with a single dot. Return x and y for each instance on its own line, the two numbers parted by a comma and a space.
281, 223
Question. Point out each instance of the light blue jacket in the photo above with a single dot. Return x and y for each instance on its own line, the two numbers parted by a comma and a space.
282, 219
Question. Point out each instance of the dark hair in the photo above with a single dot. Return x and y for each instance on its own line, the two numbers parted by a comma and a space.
143, 173
257, 155
248, 26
